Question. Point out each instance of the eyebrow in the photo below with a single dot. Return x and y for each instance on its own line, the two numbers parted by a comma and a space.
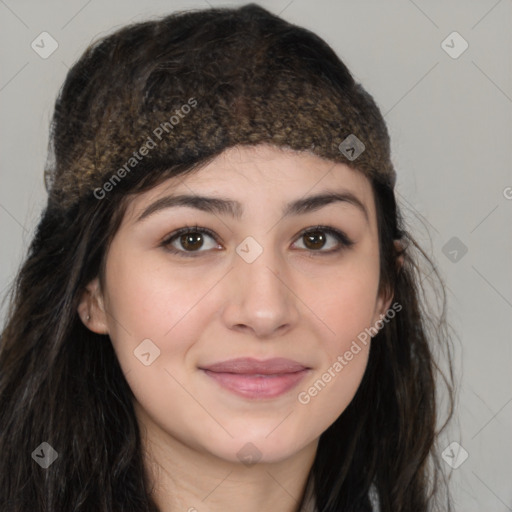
216, 205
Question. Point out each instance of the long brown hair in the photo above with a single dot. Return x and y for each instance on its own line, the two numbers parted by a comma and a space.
62, 384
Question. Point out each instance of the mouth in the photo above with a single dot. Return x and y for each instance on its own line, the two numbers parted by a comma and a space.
255, 379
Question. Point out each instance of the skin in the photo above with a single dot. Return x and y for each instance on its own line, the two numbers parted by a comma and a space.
292, 301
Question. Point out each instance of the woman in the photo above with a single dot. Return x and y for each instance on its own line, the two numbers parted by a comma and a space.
221, 308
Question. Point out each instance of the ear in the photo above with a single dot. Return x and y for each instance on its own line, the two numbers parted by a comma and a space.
400, 254
91, 308
384, 300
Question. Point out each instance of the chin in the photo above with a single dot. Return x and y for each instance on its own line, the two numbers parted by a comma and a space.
250, 450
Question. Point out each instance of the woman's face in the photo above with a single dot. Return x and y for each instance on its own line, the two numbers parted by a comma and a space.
261, 281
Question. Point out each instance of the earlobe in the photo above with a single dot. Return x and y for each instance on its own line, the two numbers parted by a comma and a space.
91, 308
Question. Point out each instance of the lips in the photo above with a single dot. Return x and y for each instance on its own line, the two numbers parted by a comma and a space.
250, 366
255, 379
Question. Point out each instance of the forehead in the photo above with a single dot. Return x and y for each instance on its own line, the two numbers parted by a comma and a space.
252, 174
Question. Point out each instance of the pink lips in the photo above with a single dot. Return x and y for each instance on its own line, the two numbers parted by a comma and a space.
251, 378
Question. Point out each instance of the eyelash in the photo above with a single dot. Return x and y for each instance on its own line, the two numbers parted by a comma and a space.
341, 237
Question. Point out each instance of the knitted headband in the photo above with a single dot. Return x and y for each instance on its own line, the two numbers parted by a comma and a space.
178, 90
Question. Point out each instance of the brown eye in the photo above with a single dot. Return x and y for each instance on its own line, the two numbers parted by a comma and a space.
314, 240
324, 240
191, 241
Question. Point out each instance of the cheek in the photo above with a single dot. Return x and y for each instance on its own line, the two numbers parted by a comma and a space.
345, 349
346, 314
346, 311
147, 300
346, 303
345, 306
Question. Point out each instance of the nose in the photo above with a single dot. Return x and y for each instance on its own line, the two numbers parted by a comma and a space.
260, 298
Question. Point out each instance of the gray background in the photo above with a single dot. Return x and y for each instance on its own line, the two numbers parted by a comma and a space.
450, 121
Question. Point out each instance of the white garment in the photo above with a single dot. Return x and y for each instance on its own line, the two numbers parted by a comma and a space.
310, 502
